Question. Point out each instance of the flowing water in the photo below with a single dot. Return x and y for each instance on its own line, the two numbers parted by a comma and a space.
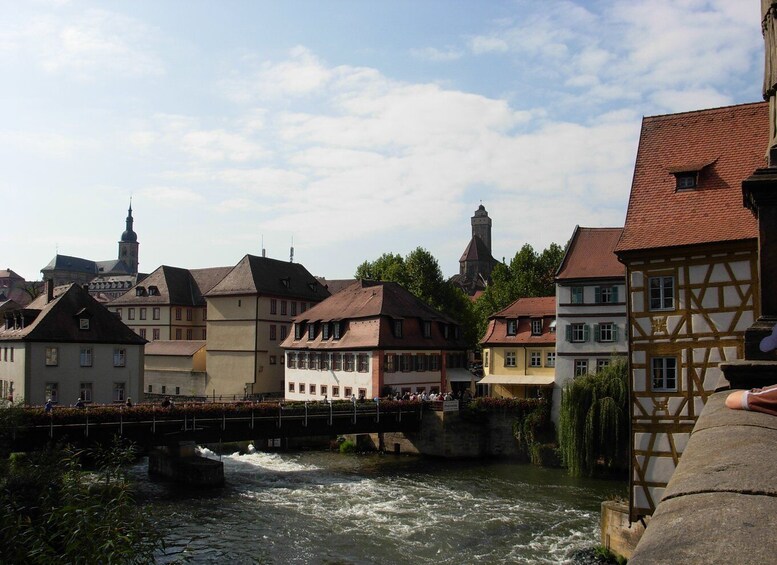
321, 507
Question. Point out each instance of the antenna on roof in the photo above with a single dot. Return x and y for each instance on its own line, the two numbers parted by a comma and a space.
291, 254
264, 253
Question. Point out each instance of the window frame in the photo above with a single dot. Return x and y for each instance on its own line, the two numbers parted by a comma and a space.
666, 303
119, 357
536, 327
577, 295
550, 358
86, 356
535, 359
664, 378
511, 359
512, 327
580, 367
52, 356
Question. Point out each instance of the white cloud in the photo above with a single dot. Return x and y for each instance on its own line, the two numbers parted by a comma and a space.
482, 44
437, 55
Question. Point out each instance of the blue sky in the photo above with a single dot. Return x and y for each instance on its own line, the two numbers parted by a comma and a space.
353, 127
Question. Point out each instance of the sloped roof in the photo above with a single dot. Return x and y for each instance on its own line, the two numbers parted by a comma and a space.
523, 310
262, 275
69, 263
369, 308
335, 285
58, 320
476, 250
177, 286
732, 140
9, 274
591, 255
177, 348
113, 266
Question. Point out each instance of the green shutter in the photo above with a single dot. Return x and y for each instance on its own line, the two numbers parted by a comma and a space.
569, 332
615, 294
615, 332
585, 332
598, 294
597, 333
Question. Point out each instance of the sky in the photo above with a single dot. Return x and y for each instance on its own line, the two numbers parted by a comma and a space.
351, 127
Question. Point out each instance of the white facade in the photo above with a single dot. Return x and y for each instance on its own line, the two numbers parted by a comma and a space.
591, 327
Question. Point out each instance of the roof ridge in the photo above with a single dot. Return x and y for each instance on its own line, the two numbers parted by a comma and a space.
704, 111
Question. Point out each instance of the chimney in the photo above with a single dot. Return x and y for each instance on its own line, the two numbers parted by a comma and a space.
49, 290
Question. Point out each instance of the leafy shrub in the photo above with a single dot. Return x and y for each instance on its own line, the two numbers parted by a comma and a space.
348, 446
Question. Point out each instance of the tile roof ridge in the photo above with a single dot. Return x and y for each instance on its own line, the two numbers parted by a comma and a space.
703, 111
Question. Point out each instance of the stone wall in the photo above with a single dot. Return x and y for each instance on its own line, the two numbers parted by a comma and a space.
618, 534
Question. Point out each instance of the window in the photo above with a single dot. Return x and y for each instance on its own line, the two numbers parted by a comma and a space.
130, 313
325, 361
293, 308
177, 390
52, 392
189, 334
142, 313
362, 393
535, 359
336, 330
273, 306
510, 359
323, 390
606, 294
118, 392
348, 391
178, 333
164, 389
337, 362
12, 354
86, 357
150, 389
272, 332
389, 364
581, 367
291, 387
86, 392
118, 313
606, 332
485, 359
686, 180
427, 329
325, 331
397, 328
577, 333
83, 323
312, 389
446, 331
302, 360
664, 371
188, 314
283, 307
155, 334
434, 362
536, 327
407, 362
348, 361
311, 331
205, 314
302, 388
576, 294
177, 313
336, 391
601, 364
119, 357
314, 358
155, 313
298, 328
283, 332
291, 361
512, 327
661, 291
420, 362
550, 359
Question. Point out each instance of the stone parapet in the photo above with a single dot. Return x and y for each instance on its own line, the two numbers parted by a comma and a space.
721, 504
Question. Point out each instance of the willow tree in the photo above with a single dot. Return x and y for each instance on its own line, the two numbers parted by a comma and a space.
593, 430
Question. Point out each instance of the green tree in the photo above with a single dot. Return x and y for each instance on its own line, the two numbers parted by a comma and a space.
593, 427
387, 267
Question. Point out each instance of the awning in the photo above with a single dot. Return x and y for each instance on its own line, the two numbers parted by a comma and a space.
533, 380
459, 376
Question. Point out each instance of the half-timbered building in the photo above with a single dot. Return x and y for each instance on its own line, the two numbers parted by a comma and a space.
689, 248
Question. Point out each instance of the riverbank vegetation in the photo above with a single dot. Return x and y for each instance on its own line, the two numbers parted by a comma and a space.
594, 422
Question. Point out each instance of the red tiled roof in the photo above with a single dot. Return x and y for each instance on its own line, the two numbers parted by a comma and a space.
523, 309
732, 141
590, 255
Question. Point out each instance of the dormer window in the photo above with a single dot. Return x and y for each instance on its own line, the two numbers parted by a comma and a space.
336, 329
311, 331
427, 329
286, 282
83, 323
512, 327
446, 331
536, 327
140, 291
298, 329
687, 180
325, 331
397, 328
153, 290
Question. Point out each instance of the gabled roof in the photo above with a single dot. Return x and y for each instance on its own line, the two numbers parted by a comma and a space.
591, 255
476, 250
58, 320
9, 274
262, 275
176, 286
523, 310
69, 263
731, 141
335, 285
370, 307
176, 348
113, 266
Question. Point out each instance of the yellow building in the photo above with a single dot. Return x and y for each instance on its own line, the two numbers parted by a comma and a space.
519, 349
249, 315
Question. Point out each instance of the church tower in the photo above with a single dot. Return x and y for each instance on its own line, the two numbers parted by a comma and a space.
128, 245
481, 226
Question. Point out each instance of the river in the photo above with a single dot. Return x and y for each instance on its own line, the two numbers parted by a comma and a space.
327, 508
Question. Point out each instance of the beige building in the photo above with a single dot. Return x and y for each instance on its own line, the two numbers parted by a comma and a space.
65, 346
249, 315
175, 369
519, 349
374, 339
169, 304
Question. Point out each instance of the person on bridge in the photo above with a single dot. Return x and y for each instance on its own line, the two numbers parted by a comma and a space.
49, 406
167, 403
129, 402
80, 403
